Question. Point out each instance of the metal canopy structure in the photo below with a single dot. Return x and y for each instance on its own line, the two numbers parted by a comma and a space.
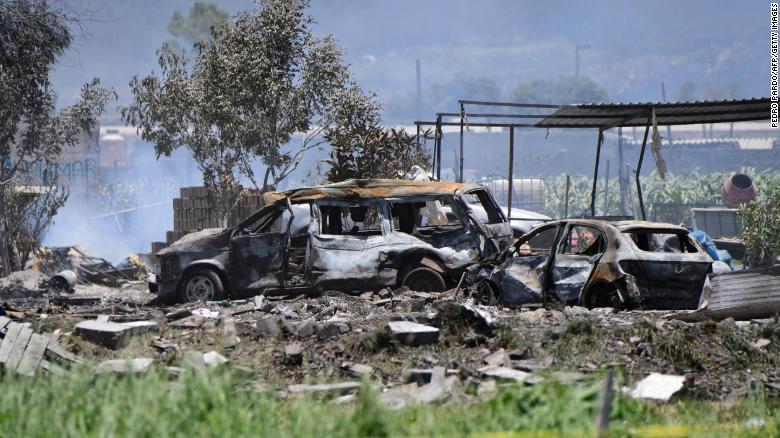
598, 116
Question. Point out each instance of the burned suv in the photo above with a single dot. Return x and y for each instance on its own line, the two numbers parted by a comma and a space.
351, 236
596, 263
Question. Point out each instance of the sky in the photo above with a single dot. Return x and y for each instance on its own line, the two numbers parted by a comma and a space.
634, 46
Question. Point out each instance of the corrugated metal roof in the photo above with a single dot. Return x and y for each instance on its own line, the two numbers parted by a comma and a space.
676, 113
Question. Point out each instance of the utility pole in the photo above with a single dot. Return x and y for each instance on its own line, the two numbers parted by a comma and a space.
578, 49
419, 91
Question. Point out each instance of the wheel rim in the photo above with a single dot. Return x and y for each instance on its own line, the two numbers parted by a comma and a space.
422, 283
199, 288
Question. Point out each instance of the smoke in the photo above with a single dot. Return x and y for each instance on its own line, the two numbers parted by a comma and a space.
129, 209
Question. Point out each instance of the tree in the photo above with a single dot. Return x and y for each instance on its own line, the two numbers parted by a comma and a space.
195, 27
564, 90
262, 78
362, 148
32, 134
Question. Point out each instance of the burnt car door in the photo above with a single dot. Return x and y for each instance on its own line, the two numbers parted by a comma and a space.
259, 250
670, 267
521, 278
577, 254
347, 243
488, 220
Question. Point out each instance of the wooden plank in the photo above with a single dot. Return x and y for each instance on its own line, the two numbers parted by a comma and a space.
8, 342
32, 355
4, 320
53, 368
19, 346
57, 350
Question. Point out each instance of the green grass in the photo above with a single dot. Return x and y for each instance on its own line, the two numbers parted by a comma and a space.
224, 404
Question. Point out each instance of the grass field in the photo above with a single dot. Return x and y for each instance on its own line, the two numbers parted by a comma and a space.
223, 403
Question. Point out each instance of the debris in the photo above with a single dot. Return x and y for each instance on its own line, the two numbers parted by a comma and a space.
304, 329
333, 328
213, 359
121, 366
178, 314
504, 373
487, 389
440, 389
761, 343
113, 335
206, 313
499, 358
269, 326
22, 284
324, 389
229, 338
357, 369
413, 334
419, 376
293, 353
658, 387
63, 281
24, 351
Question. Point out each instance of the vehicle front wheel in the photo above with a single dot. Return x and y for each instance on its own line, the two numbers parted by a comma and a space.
424, 280
201, 285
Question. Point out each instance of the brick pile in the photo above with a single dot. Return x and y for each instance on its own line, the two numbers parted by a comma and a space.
191, 213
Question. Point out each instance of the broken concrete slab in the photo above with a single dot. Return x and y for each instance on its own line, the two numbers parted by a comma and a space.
113, 335
331, 389
228, 326
333, 328
413, 334
440, 389
293, 353
357, 369
305, 328
658, 386
213, 359
269, 326
121, 366
504, 373
498, 358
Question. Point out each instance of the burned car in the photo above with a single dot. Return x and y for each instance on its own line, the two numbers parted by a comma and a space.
595, 263
351, 236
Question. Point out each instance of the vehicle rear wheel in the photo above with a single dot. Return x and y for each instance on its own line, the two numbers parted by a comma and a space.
605, 296
201, 285
424, 280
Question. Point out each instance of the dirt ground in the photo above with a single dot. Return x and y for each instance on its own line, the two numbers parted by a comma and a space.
293, 340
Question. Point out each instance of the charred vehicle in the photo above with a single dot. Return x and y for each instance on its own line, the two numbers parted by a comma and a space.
595, 263
351, 236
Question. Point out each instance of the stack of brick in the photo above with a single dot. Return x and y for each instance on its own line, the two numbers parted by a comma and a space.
191, 213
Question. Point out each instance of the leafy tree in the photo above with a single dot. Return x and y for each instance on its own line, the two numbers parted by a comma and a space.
195, 27
761, 227
564, 90
262, 78
32, 134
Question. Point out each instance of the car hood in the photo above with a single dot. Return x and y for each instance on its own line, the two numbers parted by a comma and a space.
210, 239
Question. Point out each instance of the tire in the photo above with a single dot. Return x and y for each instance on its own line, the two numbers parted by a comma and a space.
201, 285
424, 280
605, 296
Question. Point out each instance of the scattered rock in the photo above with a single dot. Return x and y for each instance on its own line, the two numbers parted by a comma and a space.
229, 338
420, 376
440, 389
113, 335
575, 311
487, 389
413, 334
121, 366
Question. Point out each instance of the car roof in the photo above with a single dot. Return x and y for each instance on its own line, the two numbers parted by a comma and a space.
625, 225
370, 188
